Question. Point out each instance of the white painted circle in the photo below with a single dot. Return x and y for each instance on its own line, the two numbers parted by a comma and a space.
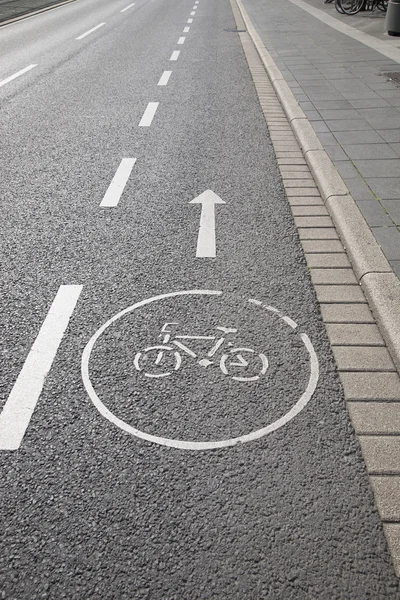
211, 445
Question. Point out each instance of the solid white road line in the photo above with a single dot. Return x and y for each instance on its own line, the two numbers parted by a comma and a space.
164, 78
174, 55
148, 114
181, 40
90, 31
118, 183
126, 7
18, 410
21, 72
186, 29
192, 13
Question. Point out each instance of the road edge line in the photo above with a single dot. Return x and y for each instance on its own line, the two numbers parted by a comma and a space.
36, 12
379, 283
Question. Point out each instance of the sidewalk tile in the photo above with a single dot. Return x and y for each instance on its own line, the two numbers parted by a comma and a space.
381, 453
349, 334
318, 233
322, 246
337, 293
389, 240
375, 418
363, 358
385, 188
374, 213
387, 496
371, 386
332, 276
329, 260
369, 151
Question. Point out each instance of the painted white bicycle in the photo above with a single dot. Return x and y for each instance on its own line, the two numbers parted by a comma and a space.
164, 359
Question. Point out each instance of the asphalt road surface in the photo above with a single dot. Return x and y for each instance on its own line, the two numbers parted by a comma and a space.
190, 440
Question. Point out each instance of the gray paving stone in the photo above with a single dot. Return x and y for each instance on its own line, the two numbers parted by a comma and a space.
381, 118
396, 148
395, 264
385, 188
305, 191
363, 358
389, 240
298, 183
350, 334
320, 127
359, 189
327, 139
336, 152
322, 246
371, 386
312, 115
346, 169
381, 453
369, 151
330, 260
339, 294
305, 201
318, 210
343, 125
369, 103
332, 104
379, 167
389, 135
387, 496
339, 114
374, 213
332, 276
359, 137
318, 233
375, 418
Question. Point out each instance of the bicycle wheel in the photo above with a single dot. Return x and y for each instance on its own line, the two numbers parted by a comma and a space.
382, 5
350, 7
338, 6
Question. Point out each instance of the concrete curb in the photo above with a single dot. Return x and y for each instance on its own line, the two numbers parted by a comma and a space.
33, 13
374, 273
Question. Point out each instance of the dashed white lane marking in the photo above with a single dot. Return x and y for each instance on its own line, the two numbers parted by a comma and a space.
186, 29
18, 410
164, 78
174, 55
181, 40
148, 114
192, 13
118, 183
190, 21
21, 72
126, 7
194, 7
90, 31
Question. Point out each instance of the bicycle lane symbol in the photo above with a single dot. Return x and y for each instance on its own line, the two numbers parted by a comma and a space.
233, 358
151, 361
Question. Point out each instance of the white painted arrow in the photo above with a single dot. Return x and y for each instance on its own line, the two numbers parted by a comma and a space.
206, 239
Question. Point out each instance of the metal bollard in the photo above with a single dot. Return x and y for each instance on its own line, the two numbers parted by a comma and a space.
392, 21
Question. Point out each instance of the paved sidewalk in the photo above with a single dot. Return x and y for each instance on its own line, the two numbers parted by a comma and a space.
343, 87
12, 9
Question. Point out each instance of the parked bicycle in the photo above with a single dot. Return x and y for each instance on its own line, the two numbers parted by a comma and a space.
352, 7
